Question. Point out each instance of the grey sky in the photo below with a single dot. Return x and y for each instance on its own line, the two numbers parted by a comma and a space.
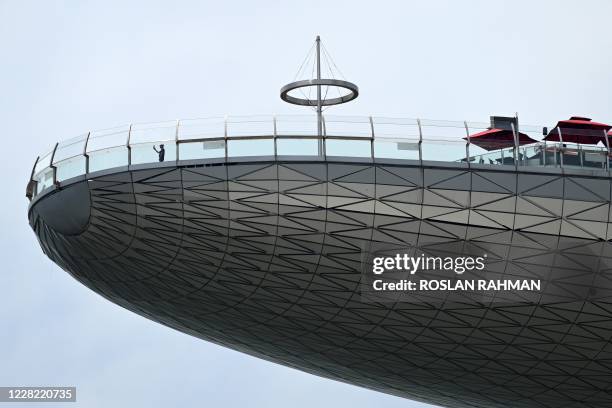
69, 67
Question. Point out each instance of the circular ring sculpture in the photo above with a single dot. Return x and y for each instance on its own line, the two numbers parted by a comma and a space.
284, 92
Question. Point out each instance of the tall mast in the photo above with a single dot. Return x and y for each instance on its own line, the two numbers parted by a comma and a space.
351, 91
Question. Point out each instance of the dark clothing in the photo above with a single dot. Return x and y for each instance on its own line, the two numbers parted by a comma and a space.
161, 153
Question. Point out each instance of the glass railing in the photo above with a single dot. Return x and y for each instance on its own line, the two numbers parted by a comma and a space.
293, 136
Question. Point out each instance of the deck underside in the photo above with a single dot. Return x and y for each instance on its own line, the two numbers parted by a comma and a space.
266, 258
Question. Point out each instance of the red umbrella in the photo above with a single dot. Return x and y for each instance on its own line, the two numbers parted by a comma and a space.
494, 139
578, 130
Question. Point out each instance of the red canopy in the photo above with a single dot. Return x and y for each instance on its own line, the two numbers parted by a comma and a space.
578, 130
494, 139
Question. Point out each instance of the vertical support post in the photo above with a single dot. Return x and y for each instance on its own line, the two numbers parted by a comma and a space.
225, 135
420, 141
516, 145
561, 148
372, 136
85, 153
319, 108
129, 146
607, 142
52, 165
324, 138
467, 144
32, 185
176, 140
274, 135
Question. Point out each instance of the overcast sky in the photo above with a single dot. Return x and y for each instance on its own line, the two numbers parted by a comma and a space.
69, 67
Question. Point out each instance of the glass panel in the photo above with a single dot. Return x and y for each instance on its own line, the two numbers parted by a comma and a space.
250, 147
201, 128
396, 148
550, 153
571, 154
44, 179
153, 132
443, 141
297, 147
104, 139
532, 155
152, 152
495, 157
250, 126
108, 158
70, 148
72, 167
202, 150
296, 125
43, 162
353, 126
348, 148
479, 149
595, 158
443, 150
395, 128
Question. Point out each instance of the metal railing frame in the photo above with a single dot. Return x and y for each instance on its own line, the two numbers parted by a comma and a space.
558, 147
52, 165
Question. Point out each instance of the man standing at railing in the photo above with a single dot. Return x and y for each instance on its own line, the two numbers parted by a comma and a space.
161, 152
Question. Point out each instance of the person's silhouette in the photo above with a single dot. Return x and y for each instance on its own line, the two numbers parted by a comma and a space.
161, 152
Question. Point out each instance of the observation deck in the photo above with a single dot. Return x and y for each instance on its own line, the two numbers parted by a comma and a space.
233, 139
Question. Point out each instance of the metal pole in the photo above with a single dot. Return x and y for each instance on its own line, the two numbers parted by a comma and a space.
420, 141
32, 185
128, 146
53, 166
225, 135
607, 150
85, 153
372, 136
275, 138
515, 152
176, 139
319, 110
561, 148
467, 144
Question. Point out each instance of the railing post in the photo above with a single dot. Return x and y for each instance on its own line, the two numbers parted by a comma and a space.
85, 153
515, 152
560, 148
52, 165
129, 146
607, 149
225, 135
372, 136
324, 137
274, 136
32, 185
176, 140
420, 141
467, 144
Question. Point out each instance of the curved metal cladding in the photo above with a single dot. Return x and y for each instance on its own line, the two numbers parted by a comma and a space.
265, 258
